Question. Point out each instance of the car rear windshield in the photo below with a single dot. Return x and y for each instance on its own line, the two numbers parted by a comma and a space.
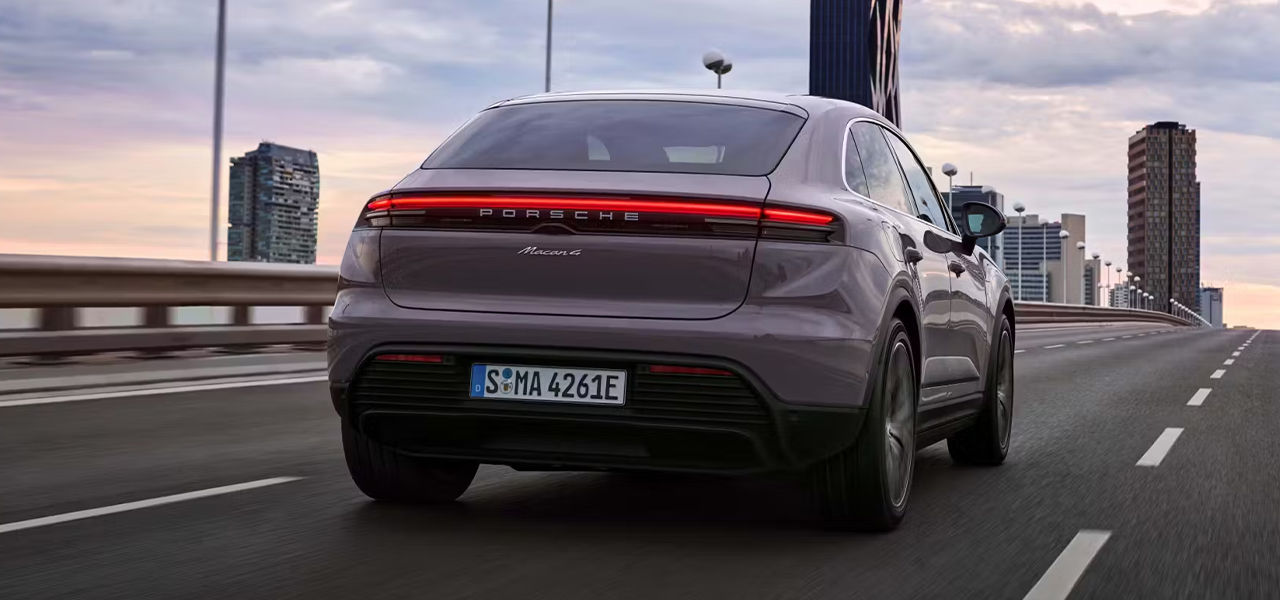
622, 135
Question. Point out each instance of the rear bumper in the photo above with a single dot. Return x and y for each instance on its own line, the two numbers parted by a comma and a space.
805, 371
714, 424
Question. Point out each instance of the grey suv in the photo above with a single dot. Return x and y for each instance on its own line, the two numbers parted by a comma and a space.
693, 282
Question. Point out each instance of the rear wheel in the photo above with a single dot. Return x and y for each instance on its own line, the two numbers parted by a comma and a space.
986, 442
865, 487
383, 474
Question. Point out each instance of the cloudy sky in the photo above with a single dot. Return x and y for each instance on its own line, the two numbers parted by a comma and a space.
105, 109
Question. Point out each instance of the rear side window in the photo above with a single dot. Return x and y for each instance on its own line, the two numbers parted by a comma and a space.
884, 180
854, 177
623, 135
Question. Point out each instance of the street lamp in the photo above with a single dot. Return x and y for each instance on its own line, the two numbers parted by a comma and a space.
546, 85
1066, 261
1136, 281
1119, 270
219, 69
1107, 264
1019, 208
950, 171
1080, 247
1147, 305
1097, 285
716, 62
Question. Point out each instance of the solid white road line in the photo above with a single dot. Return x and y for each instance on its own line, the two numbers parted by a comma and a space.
1198, 398
1055, 346
1085, 342
1218, 374
127, 506
1056, 583
1229, 361
160, 391
1160, 448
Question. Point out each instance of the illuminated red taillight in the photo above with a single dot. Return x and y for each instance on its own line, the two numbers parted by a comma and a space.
418, 358
652, 216
797, 216
682, 370
597, 204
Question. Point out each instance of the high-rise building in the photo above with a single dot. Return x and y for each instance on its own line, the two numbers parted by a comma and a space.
1211, 305
1120, 295
1092, 273
853, 52
985, 194
275, 192
1164, 213
1051, 268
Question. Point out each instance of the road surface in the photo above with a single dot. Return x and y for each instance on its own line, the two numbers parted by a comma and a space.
1115, 487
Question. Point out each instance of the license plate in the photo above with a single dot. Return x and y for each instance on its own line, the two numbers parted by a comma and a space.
549, 384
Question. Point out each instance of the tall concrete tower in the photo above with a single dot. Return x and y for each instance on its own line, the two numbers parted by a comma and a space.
853, 52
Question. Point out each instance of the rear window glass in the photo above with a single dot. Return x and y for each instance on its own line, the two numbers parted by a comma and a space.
622, 135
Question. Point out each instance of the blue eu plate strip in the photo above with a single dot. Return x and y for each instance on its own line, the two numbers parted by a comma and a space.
477, 380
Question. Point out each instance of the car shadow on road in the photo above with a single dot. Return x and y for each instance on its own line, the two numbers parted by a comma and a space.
652, 501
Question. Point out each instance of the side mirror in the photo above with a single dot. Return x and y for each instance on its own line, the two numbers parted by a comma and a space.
980, 220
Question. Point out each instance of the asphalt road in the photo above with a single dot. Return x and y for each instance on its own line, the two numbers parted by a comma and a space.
1203, 522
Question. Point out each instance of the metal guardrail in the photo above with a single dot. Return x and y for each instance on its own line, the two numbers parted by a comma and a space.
58, 286
1047, 312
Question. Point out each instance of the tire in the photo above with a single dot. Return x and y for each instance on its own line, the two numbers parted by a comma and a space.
383, 474
986, 442
866, 486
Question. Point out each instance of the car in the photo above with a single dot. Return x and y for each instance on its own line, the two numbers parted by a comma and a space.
700, 282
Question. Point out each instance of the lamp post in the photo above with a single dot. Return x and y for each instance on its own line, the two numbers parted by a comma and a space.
1080, 247
546, 85
1097, 284
950, 171
1044, 262
1119, 270
1019, 208
1148, 305
218, 70
1136, 280
1107, 264
716, 62
1066, 261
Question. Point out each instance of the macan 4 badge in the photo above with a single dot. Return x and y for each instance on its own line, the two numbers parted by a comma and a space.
540, 252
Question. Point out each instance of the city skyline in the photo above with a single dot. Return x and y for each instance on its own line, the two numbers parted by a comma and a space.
122, 116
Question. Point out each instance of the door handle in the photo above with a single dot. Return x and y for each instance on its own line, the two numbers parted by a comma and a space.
912, 255
955, 267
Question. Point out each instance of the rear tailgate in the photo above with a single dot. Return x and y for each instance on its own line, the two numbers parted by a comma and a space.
615, 244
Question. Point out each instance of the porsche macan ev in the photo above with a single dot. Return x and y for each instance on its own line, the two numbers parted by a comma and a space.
677, 281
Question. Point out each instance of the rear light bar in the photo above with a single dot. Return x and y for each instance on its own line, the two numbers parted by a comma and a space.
682, 370
600, 215
418, 358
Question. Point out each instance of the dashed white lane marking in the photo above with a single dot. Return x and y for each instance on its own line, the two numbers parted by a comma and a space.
1198, 398
160, 391
1055, 346
1160, 448
1218, 374
1235, 354
1125, 337
1056, 583
1229, 361
1019, 351
127, 506
1085, 342
1108, 339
